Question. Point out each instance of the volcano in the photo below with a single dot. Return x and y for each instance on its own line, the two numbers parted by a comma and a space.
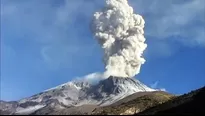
77, 93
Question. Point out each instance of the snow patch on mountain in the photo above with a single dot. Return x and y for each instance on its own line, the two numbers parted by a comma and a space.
77, 93
28, 110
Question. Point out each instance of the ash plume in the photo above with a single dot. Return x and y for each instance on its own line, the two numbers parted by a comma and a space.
120, 33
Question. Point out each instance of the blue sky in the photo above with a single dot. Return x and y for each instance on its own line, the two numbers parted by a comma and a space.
45, 43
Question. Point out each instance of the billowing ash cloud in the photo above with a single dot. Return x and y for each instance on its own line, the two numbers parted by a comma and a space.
120, 33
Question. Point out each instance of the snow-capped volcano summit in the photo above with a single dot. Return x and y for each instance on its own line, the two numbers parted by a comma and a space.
77, 93
117, 85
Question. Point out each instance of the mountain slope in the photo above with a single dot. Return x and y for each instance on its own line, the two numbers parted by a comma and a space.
78, 110
8, 107
190, 103
134, 103
114, 88
77, 93
157, 102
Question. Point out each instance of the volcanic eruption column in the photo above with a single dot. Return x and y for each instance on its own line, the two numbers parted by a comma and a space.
120, 33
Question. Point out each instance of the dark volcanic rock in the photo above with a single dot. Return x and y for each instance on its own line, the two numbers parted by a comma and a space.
191, 103
29, 103
8, 107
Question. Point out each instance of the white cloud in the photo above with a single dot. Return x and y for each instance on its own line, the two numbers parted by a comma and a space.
165, 19
162, 89
52, 28
155, 85
92, 77
168, 22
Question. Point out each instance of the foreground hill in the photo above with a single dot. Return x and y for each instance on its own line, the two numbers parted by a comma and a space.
134, 103
190, 103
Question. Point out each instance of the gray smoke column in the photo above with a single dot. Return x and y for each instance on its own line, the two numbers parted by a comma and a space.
120, 33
